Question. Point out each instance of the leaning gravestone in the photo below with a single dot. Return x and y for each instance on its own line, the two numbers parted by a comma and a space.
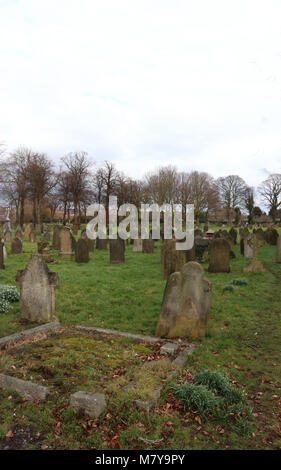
37, 291
16, 246
82, 251
2, 265
67, 247
219, 256
186, 304
117, 251
278, 250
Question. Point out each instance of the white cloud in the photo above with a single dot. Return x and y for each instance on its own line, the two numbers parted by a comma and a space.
196, 84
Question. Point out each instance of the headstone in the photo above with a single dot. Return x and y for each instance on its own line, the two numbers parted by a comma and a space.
18, 233
2, 265
32, 236
66, 243
101, 243
271, 236
219, 256
82, 251
7, 236
172, 260
37, 291
16, 246
148, 245
91, 243
137, 248
117, 251
233, 234
278, 250
201, 248
27, 230
186, 304
255, 265
248, 248
56, 237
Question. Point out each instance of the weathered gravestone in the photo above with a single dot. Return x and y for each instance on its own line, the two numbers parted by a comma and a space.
101, 243
172, 260
148, 246
91, 243
32, 236
82, 251
255, 265
186, 304
18, 233
2, 265
278, 250
219, 256
117, 251
56, 237
16, 246
201, 246
233, 234
37, 291
137, 248
67, 246
247, 246
7, 236
27, 230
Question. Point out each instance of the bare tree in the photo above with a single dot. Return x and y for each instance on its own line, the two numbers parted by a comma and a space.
78, 167
232, 192
109, 178
14, 176
270, 191
249, 203
41, 180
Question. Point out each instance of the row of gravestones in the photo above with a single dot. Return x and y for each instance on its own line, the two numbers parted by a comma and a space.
184, 311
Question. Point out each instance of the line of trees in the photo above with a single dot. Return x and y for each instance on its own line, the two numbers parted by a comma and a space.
77, 183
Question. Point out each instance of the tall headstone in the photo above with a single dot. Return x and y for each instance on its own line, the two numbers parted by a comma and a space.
82, 251
56, 237
37, 291
67, 248
186, 304
27, 230
255, 265
248, 248
219, 256
18, 233
117, 251
137, 248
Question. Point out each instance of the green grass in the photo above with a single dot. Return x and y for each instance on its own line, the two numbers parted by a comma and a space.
242, 341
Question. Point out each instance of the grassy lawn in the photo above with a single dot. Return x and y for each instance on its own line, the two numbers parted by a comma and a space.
243, 341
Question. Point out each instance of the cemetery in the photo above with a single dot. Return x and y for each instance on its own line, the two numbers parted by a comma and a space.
100, 347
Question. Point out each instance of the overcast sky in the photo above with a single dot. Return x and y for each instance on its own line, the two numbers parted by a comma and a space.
143, 83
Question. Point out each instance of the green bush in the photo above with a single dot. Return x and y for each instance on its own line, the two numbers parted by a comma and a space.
9, 293
228, 288
4, 305
217, 382
197, 397
239, 282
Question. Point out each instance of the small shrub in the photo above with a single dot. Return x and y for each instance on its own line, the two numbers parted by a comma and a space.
219, 383
243, 428
239, 282
197, 397
228, 288
9, 293
4, 305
